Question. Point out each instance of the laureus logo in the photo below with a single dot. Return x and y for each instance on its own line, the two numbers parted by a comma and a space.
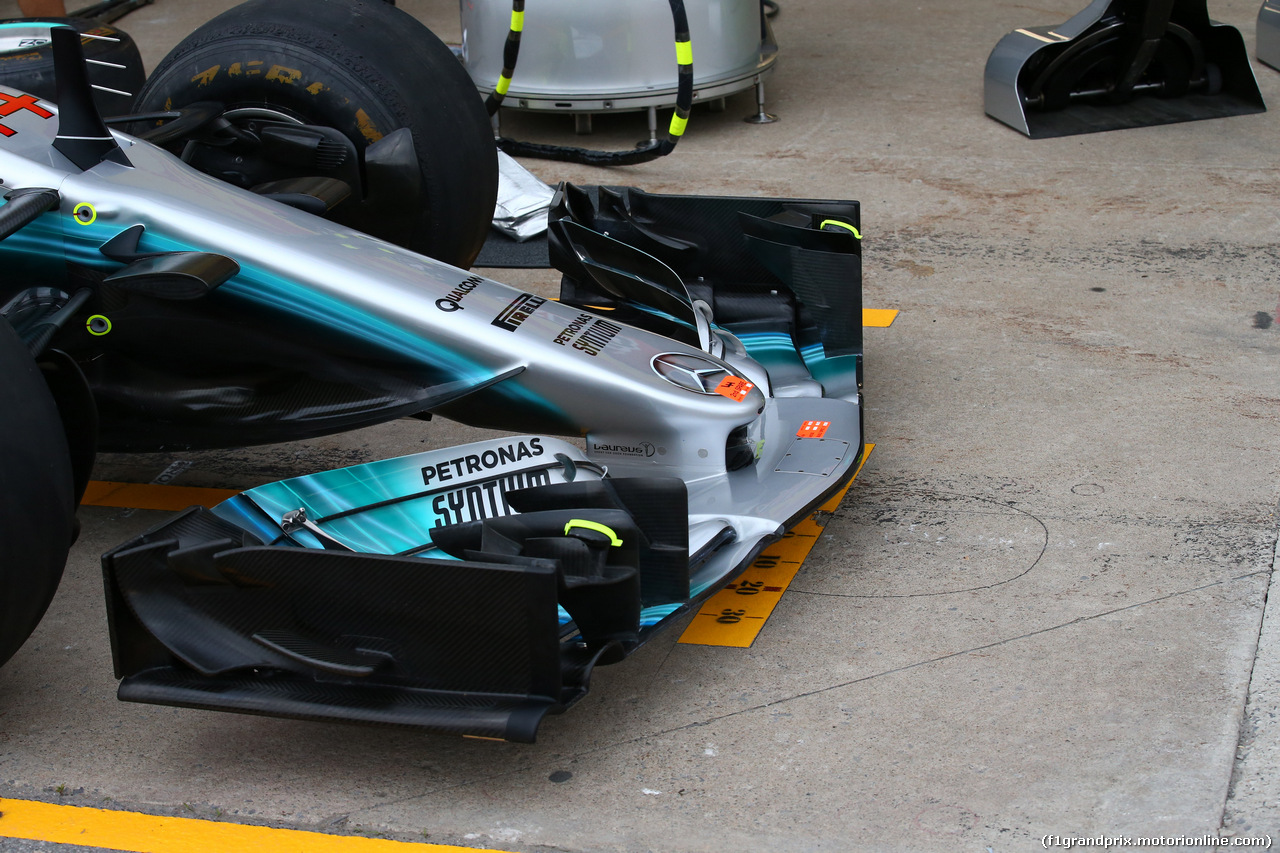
642, 449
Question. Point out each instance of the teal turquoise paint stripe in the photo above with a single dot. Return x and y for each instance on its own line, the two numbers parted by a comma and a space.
278, 294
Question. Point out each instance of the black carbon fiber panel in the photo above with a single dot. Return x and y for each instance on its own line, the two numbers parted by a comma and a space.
286, 695
764, 265
463, 646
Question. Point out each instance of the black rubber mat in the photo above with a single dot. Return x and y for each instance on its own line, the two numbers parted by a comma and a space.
502, 252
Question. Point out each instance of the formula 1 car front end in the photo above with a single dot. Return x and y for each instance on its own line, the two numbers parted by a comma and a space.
711, 353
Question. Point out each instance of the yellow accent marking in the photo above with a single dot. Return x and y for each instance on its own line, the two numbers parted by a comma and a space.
152, 495
237, 69
1039, 37
367, 128
840, 224
678, 125
517, 21
88, 324
89, 209
684, 53
504, 83
142, 833
284, 75
205, 77
316, 88
597, 527
879, 318
735, 615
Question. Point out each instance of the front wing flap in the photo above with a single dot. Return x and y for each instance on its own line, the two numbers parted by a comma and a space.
475, 605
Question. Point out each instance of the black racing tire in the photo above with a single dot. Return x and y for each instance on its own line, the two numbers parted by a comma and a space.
37, 506
29, 68
364, 68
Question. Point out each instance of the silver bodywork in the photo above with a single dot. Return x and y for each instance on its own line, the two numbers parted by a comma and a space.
576, 368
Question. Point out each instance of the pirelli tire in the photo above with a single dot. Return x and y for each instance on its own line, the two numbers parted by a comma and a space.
28, 66
37, 506
365, 68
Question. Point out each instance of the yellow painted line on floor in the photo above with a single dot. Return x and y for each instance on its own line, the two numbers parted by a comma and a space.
735, 615
141, 833
151, 495
879, 318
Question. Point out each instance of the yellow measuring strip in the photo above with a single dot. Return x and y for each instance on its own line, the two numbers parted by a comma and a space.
879, 318
872, 318
735, 615
140, 833
152, 495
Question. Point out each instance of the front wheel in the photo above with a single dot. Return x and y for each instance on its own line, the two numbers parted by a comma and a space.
365, 69
37, 504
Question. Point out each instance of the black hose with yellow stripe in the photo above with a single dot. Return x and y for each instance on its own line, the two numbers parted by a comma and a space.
640, 154
510, 52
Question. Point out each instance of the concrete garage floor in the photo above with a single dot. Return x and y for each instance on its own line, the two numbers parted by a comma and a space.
1039, 611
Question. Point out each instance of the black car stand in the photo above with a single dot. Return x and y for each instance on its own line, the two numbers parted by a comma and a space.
1120, 64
